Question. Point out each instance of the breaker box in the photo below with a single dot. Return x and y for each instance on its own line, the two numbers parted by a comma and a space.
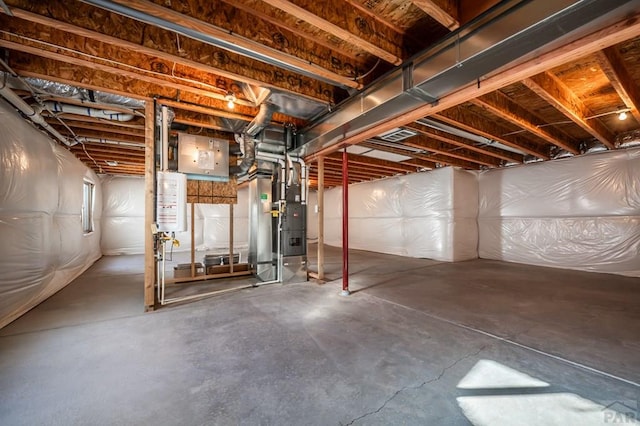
201, 155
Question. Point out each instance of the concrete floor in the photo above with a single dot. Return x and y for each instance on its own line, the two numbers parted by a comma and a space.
419, 342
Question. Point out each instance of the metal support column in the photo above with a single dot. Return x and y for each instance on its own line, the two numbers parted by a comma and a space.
345, 223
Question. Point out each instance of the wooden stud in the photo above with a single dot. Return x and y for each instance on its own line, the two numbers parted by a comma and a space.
149, 191
321, 218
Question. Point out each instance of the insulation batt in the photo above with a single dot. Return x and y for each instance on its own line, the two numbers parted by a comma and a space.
41, 196
578, 213
123, 220
431, 214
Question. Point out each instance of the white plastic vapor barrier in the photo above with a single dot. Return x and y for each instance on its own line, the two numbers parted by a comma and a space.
578, 213
431, 214
123, 220
41, 199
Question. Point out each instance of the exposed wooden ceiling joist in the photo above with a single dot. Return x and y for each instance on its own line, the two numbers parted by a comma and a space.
431, 157
464, 119
96, 79
360, 34
613, 66
371, 162
443, 11
189, 53
498, 104
589, 44
465, 143
552, 90
306, 63
453, 151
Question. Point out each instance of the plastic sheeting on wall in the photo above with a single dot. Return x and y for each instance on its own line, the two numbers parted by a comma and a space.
123, 220
578, 213
41, 196
414, 215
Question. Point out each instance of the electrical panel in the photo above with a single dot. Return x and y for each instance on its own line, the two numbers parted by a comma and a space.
203, 156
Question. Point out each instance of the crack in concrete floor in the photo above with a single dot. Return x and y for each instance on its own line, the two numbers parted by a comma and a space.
421, 385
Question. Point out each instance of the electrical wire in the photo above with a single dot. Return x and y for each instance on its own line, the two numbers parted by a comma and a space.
84, 148
368, 72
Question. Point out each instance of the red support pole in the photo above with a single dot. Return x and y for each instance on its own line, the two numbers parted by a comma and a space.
345, 223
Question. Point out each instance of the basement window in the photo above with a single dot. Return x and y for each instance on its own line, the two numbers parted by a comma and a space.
87, 207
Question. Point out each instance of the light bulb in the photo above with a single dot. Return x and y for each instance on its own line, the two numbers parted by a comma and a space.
230, 98
622, 116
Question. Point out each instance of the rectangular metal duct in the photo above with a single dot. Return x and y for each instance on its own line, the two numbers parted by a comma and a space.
503, 35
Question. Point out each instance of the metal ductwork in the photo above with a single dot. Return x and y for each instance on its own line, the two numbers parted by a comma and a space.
503, 35
628, 140
67, 91
261, 121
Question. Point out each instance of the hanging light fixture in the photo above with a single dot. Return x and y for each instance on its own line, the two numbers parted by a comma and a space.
231, 99
622, 116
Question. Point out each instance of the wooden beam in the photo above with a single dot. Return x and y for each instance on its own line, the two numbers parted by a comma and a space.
214, 110
443, 11
133, 124
573, 50
47, 49
466, 120
84, 133
552, 90
149, 197
244, 42
363, 172
500, 105
420, 164
98, 127
191, 53
426, 162
355, 159
434, 158
94, 79
197, 119
444, 148
363, 36
465, 143
612, 64
470, 9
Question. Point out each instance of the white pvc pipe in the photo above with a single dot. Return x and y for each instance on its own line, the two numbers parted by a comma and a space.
88, 111
33, 115
164, 130
280, 159
303, 179
109, 142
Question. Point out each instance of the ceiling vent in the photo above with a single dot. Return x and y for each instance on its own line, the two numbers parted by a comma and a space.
397, 135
